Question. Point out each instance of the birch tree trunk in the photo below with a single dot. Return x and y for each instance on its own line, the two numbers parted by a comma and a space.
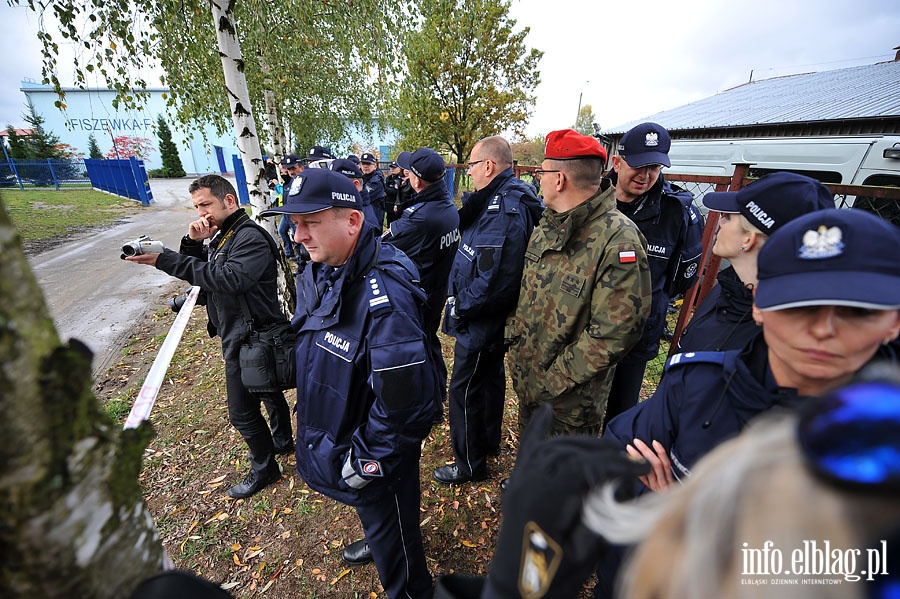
241, 108
247, 138
73, 522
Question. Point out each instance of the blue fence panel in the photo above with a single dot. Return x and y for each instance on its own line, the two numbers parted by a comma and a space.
240, 180
450, 180
126, 178
43, 173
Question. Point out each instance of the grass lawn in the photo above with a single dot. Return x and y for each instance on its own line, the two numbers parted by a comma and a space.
42, 214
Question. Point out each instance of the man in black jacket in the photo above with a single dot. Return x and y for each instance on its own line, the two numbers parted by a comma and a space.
238, 264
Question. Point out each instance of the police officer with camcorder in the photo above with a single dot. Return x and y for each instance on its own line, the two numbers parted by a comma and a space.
236, 266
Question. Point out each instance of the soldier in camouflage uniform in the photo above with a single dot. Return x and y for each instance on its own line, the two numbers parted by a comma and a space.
585, 294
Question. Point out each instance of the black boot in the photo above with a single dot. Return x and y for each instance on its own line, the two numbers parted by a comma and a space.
255, 481
357, 554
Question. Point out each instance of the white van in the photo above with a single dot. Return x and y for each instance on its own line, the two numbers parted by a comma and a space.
846, 160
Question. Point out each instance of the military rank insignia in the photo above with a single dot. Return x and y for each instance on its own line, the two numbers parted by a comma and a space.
541, 556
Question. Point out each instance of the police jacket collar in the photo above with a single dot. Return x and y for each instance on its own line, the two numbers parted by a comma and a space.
476, 201
323, 286
435, 192
747, 402
735, 299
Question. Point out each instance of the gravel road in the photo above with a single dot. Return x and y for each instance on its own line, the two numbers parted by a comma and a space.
94, 296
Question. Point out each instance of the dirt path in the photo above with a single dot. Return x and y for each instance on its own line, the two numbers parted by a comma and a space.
94, 296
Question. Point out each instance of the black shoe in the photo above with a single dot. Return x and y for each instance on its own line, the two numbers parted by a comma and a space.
357, 554
495, 452
255, 482
284, 448
452, 475
504, 484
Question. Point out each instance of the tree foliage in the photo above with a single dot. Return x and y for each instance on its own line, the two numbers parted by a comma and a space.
16, 144
469, 74
327, 61
94, 147
586, 120
40, 143
530, 151
127, 146
168, 151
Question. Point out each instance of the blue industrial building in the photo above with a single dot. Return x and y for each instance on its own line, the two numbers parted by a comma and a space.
91, 111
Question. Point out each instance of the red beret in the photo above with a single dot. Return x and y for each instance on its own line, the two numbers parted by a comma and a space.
567, 144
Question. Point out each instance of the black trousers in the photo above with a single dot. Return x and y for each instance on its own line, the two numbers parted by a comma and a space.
390, 519
246, 417
477, 393
432, 325
626, 387
279, 419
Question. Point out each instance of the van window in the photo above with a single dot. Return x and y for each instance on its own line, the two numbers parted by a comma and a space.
887, 209
823, 176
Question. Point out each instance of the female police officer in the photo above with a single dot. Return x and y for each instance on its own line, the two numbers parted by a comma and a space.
827, 300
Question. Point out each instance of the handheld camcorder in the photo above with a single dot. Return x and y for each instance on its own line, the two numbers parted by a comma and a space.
143, 245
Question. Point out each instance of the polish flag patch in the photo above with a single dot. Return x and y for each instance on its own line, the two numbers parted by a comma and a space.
627, 257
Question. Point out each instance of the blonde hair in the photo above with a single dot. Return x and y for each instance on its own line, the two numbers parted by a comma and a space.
748, 227
753, 489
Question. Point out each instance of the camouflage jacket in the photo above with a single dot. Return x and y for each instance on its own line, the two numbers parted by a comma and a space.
584, 301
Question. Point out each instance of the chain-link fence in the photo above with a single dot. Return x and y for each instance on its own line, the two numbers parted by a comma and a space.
43, 173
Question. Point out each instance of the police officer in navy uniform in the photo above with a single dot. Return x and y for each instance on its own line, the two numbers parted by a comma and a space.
827, 301
673, 228
351, 170
292, 166
318, 157
373, 180
428, 232
393, 203
495, 224
724, 320
366, 385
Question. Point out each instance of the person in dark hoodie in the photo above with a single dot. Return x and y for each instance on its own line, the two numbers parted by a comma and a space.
673, 228
724, 320
495, 223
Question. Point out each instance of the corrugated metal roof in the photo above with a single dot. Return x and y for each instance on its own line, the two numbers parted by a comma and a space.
851, 93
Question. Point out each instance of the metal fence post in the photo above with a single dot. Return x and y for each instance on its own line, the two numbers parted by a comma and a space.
53, 174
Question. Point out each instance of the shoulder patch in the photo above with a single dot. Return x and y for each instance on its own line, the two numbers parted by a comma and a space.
378, 297
695, 357
494, 204
511, 200
413, 208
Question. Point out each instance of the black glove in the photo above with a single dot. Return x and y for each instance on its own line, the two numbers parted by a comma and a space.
544, 549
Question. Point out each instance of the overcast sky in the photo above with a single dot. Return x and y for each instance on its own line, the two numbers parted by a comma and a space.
627, 59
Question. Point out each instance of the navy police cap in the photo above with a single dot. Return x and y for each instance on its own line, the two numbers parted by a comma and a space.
645, 144
834, 257
770, 202
315, 190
